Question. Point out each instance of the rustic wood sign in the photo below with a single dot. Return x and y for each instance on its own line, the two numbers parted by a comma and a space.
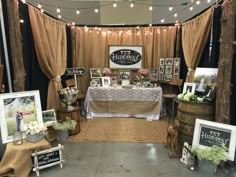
208, 133
47, 158
75, 71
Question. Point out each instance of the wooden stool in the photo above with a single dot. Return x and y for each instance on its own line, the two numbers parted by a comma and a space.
74, 114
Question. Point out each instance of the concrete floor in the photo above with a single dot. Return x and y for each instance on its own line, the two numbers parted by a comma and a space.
114, 159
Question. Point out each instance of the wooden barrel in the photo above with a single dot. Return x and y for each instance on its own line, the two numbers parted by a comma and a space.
187, 113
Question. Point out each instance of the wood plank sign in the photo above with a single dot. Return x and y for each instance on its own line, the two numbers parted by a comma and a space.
125, 57
75, 71
47, 158
208, 133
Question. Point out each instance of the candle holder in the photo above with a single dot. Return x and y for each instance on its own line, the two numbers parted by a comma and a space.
17, 138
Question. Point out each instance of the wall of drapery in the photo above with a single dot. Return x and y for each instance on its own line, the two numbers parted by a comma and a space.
49, 50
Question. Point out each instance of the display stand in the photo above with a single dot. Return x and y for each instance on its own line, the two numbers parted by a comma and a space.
74, 114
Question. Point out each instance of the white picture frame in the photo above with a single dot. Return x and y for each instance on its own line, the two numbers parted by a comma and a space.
208, 133
189, 87
49, 117
125, 56
106, 81
28, 103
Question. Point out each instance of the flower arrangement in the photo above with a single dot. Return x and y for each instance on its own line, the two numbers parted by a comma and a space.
188, 96
214, 154
68, 124
68, 91
143, 71
107, 71
34, 128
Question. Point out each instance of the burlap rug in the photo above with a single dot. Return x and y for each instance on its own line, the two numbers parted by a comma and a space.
121, 130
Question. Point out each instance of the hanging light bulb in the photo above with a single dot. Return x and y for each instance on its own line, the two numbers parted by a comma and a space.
114, 4
150, 24
96, 10
150, 8
208, 1
162, 20
77, 12
191, 8
132, 5
21, 21
23, 1
170, 8
197, 2
175, 15
58, 10
42, 10
40, 6
59, 16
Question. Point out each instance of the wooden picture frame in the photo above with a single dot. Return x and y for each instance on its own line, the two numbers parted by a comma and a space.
208, 133
106, 82
189, 87
95, 73
125, 56
153, 74
11, 104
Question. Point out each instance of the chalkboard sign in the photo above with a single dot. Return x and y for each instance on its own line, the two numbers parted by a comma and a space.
75, 71
47, 158
208, 133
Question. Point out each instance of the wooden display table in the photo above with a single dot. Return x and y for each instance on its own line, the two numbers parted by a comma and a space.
74, 114
17, 158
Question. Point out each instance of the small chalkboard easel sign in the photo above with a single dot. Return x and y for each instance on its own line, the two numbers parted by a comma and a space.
47, 158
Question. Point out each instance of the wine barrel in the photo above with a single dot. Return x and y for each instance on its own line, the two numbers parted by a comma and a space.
187, 113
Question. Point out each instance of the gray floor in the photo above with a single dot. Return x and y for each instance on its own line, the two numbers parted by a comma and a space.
104, 159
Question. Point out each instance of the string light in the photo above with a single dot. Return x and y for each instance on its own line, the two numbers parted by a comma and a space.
197, 2
42, 10
114, 5
40, 6
170, 8
59, 16
58, 10
191, 8
208, 1
150, 8
132, 5
175, 15
77, 12
21, 21
23, 1
96, 10
162, 20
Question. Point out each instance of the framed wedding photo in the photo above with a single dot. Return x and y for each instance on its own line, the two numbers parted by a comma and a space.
18, 109
124, 74
49, 117
153, 74
189, 87
106, 81
95, 72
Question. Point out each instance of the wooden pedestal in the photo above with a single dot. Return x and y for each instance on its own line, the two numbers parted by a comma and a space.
74, 114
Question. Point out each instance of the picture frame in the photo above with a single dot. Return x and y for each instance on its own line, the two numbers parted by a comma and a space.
162, 61
95, 82
189, 87
168, 61
95, 73
125, 56
161, 69
176, 61
167, 77
168, 69
49, 117
124, 74
153, 74
208, 133
11, 104
161, 77
106, 81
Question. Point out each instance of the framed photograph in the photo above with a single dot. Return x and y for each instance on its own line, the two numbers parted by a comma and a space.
162, 61
125, 56
106, 81
168, 69
161, 69
153, 74
95, 72
95, 82
161, 77
17, 109
209, 133
169, 61
124, 74
49, 117
175, 76
176, 61
204, 76
189, 87
167, 77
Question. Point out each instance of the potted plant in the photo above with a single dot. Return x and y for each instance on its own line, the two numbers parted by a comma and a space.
210, 157
63, 128
34, 131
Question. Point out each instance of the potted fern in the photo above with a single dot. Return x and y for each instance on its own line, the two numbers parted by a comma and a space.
63, 128
209, 158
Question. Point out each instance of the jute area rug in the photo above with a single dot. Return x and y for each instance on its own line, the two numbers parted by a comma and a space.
121, 130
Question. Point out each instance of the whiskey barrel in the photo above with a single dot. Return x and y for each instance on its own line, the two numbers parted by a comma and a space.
187, 113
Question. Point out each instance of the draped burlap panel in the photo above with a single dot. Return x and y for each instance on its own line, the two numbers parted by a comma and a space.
194, 37
90, 46
16, 45
50, 44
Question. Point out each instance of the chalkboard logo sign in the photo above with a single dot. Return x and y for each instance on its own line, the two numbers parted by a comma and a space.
125, 56
75, 71
208, 133
47, 158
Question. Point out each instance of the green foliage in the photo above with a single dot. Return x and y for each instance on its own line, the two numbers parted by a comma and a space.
68, 124
214, 154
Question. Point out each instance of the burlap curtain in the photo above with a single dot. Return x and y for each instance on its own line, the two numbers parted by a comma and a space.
90, 46
16, 45
50, 44
194, 37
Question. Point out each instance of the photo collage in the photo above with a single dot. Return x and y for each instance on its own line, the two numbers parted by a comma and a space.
169, 68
